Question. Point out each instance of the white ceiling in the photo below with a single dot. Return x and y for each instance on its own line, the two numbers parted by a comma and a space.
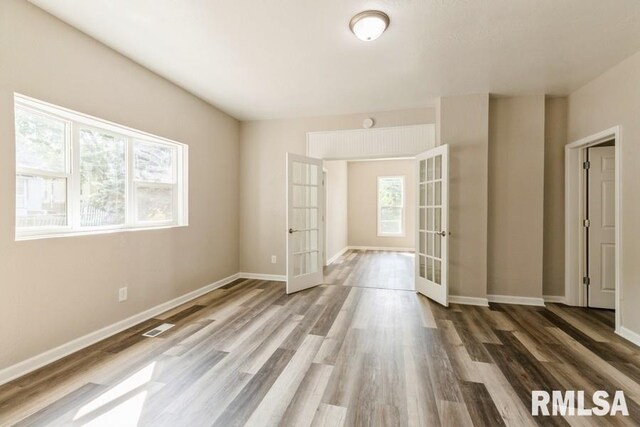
260, 59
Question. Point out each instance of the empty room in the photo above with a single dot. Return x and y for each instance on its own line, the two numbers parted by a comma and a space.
319, 213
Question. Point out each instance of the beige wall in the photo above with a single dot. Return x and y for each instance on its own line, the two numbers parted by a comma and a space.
336, 207
555, 138
613, 99
363, 202
55, 290
262, 177
516, 196
463, 124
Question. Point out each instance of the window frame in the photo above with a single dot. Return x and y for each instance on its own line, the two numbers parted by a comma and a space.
74, 122
379, 221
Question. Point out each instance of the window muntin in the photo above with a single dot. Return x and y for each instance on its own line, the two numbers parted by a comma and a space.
391, 206
76, 174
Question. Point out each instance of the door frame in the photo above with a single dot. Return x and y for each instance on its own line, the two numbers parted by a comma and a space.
325, 183
575, 242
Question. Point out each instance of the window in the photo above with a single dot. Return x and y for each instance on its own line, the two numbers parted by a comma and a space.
391, 206
76, 174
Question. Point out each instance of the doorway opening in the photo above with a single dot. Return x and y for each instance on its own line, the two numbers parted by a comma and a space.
311, 246
592, 219
371, 222
397, 217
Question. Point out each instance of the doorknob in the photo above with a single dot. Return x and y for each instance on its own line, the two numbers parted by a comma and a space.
291, 231
443, 233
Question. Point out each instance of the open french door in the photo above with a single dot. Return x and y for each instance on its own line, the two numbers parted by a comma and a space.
305, 222
432, 241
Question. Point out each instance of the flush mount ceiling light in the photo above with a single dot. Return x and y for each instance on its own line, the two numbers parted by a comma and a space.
369, 25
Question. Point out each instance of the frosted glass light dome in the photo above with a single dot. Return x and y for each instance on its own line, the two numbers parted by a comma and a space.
369, 25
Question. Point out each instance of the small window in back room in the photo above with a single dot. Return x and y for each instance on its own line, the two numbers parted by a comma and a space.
77, 174
391, 206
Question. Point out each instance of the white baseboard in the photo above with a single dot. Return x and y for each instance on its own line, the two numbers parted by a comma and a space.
258, 276
381, 248
42, 359
628, 334
509, 299
338, 255
558, 299
456, 299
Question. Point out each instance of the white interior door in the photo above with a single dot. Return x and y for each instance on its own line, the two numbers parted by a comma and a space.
432, 268
305, 224
601, 230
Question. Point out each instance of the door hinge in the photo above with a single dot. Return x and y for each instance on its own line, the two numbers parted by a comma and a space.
586, 280
586, 223
586, 165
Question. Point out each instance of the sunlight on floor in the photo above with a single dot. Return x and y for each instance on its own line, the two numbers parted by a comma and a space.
124, 415
407, 254
115, 407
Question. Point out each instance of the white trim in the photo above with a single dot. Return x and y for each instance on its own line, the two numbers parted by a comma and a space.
325, 241
557, 299
628, 334
381, 248
259, 276
42, 359
338, 255
456, 299
509, 299
95, 232
574, 237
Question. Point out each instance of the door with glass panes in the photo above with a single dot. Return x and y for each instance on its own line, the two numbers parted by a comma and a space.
305, 222
432, 236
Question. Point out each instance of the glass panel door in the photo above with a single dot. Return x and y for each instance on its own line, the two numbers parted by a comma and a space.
305, 213
431, 260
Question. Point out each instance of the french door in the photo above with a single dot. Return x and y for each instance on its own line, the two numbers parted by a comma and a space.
432, 241
305, 222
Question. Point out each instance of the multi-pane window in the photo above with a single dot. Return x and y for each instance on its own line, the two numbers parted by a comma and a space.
391, 206
43, 170
77, 174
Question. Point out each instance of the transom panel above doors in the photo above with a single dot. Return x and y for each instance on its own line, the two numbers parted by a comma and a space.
398, 141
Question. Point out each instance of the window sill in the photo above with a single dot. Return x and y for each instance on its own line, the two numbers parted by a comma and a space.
391, 235
63, 234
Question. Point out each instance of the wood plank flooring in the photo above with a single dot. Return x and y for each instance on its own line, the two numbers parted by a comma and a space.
373, 269
345, 353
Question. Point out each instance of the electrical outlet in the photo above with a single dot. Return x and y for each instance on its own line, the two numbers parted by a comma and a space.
273, 259
123, 294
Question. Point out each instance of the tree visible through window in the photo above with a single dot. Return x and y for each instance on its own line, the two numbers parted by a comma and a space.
77, 174
390, 206
102, 178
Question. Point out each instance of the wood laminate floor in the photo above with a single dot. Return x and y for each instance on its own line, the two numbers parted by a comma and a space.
373, 269
247, 354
